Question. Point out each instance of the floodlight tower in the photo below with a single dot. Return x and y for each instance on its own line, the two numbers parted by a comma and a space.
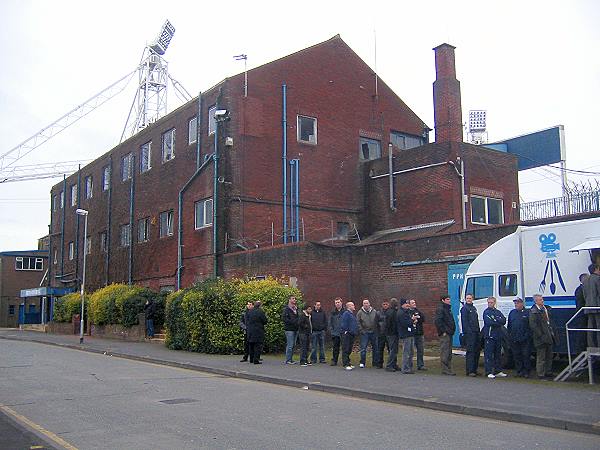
150, 102
477, 126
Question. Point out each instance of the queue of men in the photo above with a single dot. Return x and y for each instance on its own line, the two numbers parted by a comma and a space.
397, 323
398, 326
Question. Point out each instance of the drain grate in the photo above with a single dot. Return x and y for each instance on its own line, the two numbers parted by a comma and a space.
177, 401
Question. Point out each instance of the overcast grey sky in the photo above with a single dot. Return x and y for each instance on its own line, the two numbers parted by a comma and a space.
530, 64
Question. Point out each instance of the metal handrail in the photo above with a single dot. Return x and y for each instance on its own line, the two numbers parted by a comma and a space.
584, 308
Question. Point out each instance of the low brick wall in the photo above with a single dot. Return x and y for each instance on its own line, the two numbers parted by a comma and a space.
63, 328
134, 333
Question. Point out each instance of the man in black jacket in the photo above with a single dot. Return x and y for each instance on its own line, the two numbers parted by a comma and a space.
579, 337
305, 330
382, 339
419, 335
319, 326
335, 322
446, 326
391, 335
149, 311
255, 326
519, 335
243, 326
469, 320
406, 333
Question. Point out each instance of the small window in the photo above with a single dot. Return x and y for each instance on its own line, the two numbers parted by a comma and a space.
307, 130
343, 228
11, 310
73, 195
405, 141
486, 211
193, 130
71, 251
39, 263
144, 229
168, 145
125, 235
29, 263
145, 157
126, 166
480, 287
166, 223
54, 202
19, 263
212, 122
88, 245
204, 213
62, 199
103, 242
106, 178
369, 149
507, 285
89, 187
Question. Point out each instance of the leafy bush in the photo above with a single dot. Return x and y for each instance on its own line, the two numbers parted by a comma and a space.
121, 304
67, 306
205, 318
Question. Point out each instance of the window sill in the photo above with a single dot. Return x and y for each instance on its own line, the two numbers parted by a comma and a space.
311, 144
204, 227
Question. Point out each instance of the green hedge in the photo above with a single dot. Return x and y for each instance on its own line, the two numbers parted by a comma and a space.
67, 306
205, 318
121, 304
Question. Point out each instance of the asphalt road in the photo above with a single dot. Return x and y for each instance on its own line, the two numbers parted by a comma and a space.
93, 401
14, 437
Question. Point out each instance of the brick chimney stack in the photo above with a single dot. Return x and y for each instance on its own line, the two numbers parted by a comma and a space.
447, 108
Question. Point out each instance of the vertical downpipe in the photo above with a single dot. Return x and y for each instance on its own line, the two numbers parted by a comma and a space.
215, 196
131, 202
391, 172
297, 187
77, 227
198, 132
462, 194
293, 237
108, 223
284, 158
62, 227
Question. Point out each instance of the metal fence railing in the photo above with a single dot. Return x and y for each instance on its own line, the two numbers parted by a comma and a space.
561, 206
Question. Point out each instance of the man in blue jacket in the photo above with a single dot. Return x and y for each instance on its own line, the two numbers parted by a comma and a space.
493, 321
520, 337
349, 330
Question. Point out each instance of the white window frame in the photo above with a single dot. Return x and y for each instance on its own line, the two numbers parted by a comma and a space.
74, 195
125, 235
143, 225
71, 251
212, 122
126, 167
62, 199
486, 209
310, 141
29, 263
169, 223
103, 241
193, 130
146, 162
207, 206
55, 202
106, 178
166, 156
364, 140
89, 187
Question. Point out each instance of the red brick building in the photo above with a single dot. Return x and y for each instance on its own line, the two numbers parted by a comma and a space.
20, 270
311, 146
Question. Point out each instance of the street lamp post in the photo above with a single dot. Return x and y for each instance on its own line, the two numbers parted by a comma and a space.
84, 213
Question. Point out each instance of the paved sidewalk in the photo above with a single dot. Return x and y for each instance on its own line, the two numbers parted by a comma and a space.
570, 407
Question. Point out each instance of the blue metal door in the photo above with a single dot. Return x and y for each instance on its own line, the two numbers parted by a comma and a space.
456, 276
21, 313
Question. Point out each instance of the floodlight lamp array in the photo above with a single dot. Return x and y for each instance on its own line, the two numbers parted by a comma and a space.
164, 38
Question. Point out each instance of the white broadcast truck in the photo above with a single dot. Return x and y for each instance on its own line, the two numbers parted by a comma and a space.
541, 259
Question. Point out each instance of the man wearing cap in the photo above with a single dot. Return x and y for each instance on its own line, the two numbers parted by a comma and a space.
519, 335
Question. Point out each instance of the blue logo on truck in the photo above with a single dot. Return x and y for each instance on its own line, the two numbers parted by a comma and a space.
549, 246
